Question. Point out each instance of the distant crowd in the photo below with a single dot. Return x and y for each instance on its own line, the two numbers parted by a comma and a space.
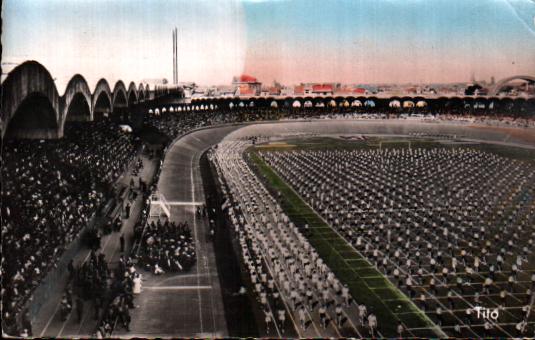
176, 123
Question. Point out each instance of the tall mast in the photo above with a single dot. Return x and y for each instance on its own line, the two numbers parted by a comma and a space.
174, 57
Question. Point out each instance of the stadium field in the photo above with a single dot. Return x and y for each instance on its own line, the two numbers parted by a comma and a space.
367, 285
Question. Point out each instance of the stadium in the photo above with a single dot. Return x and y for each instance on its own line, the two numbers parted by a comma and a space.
322, 216
146, 211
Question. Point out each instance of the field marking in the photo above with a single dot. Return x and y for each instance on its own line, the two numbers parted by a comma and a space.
175, 287
181, 203
50, 320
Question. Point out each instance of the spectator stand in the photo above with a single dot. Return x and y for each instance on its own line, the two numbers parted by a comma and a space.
46, 320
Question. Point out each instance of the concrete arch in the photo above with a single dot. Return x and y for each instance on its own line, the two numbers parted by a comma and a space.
132, 95
349, 99
102, 99
260, 102
394, 103
120, 102
480, 103
493, 103
329, 101
496, 89
370, 102
318, 102
468, 103
76, 95
453, 103
421, 104
120, 95
339, 100
530, 106
30, 79
141, 93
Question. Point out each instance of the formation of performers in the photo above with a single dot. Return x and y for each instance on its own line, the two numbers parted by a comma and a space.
288, 277
452, 228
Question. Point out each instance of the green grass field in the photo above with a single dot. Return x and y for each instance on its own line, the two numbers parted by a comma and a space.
367, 284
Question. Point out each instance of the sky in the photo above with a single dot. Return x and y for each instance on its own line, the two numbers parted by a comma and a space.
290, 41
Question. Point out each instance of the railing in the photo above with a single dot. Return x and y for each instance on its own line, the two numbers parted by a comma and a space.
159, 204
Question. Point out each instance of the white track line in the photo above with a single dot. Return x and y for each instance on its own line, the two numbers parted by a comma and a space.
180, 203
176, 287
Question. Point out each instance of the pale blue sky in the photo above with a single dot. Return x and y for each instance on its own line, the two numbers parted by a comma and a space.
371, 40
360, 41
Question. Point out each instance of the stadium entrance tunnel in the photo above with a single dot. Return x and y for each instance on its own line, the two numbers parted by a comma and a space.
102, 106
78, 110
35, 118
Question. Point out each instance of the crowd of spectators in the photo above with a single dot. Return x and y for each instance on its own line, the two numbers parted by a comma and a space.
51, 189
174, 124
165, 246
